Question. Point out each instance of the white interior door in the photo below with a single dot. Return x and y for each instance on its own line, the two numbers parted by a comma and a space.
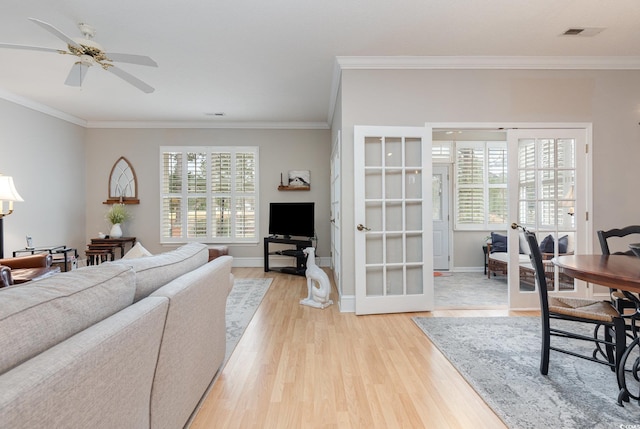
336, 248
440, 216
548, 192
393, 237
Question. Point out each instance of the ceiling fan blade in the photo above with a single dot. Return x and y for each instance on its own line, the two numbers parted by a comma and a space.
131, 79
77, 74
30, 48
59, 34
131, 59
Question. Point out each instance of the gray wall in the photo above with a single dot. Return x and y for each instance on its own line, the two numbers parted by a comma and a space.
610, 100
62, 171
280, 151
46, 158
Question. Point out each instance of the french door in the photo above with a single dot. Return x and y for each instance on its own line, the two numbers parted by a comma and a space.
547, 194
393, 237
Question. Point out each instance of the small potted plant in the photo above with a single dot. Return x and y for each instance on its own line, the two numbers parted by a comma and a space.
117, 214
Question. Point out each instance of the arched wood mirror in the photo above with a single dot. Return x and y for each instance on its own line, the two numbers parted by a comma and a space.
123, 184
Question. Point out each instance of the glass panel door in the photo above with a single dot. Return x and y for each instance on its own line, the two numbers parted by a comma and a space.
393, 202
549, 165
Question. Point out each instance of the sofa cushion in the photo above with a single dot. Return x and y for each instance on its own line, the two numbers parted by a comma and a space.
504, 257
99, 378
155, 271
37, 315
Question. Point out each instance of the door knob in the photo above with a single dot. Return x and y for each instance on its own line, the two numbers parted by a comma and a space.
361, 227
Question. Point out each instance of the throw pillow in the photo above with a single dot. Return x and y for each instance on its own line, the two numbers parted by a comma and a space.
137, 251
563, 243
546, 245
498, 243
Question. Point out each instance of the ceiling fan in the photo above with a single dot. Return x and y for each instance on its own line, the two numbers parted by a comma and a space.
89, 54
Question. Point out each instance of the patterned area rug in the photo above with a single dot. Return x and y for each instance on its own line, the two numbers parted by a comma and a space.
242, 303
500, 358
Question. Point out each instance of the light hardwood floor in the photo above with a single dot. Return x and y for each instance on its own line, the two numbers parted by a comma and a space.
301, 367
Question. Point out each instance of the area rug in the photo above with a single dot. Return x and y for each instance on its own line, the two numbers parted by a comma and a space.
500, 357
242, 303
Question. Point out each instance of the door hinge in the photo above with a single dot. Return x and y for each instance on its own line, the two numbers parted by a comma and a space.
586, 216
586, 148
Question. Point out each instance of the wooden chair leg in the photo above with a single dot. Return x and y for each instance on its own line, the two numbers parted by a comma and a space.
544, 351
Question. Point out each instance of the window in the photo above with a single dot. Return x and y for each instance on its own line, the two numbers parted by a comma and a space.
441, 152
481, 185
208, 194
546, 172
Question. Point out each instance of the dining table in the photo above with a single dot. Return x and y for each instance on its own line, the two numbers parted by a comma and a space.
620, 272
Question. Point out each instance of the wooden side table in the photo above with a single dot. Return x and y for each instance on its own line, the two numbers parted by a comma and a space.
120, 243
98, 255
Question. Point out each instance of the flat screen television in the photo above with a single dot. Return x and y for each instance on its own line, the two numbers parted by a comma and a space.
292, 219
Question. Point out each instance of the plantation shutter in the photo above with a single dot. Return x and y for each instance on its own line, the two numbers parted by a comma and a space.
246, 194
209, 194
497, 183
171, 182
470, 175
481, 185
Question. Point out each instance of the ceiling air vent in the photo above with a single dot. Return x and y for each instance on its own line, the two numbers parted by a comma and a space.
573, 31
583, 32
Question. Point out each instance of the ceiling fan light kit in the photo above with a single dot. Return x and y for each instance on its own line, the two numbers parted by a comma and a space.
90, 53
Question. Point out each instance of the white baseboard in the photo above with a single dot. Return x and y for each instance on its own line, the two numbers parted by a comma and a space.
468, 269
347, 304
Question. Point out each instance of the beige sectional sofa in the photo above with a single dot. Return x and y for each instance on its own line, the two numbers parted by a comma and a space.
130, 344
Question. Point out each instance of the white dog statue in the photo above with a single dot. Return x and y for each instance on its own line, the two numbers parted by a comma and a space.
318, 296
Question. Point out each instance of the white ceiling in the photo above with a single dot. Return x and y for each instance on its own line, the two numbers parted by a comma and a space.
274, 61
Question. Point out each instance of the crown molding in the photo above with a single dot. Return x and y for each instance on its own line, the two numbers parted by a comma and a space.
202, 124
38, 107
363, 63
491, 62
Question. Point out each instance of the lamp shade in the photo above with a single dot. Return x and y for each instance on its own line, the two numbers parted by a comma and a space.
8, 190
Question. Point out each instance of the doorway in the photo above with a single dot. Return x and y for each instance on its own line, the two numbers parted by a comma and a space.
579, 200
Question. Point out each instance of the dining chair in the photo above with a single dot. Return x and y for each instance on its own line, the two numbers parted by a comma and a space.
599, 314
621, 299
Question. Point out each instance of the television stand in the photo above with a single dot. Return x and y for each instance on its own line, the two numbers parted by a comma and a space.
301, 259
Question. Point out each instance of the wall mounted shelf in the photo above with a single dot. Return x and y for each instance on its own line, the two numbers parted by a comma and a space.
293, 188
